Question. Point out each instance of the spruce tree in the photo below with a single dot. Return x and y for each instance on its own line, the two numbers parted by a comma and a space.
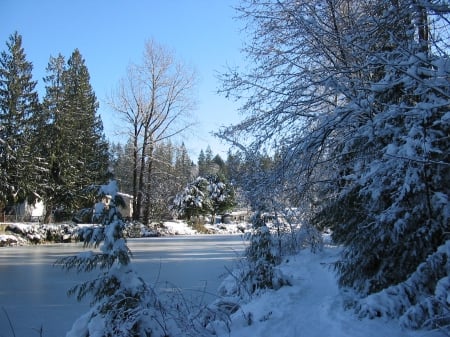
76, 149
52, 125
183, 166
123, 304
87, 143
201, 163
18, 107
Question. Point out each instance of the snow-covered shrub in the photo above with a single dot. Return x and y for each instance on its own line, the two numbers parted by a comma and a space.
122, 303
297, 233
39, 233
258, 270
422, 301
211, 195
263, 257
192, 201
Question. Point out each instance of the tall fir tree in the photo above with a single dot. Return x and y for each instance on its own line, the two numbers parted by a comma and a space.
19, 105
88, 144
52, 126
201, 163
76, 149
183, 166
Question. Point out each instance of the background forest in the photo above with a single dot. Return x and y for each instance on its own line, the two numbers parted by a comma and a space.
54, 148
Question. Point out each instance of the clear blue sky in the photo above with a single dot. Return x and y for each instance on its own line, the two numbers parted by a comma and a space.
112, 33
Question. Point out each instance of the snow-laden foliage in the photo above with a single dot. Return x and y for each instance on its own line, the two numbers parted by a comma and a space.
354, 98
40, 233
122, 303
192, 201
211, 195
20, 165
258, 270
263, 257
422, 301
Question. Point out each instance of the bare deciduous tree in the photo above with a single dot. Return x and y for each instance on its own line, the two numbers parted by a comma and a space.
155, 100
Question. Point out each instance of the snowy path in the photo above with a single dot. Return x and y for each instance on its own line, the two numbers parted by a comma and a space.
312, 307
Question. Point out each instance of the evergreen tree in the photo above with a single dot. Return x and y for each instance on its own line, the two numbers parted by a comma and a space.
392, 189
193, 200
221, 195
201, 163
76, 149
52, 127
19, 106
122, 303
204, 196
162, 181
87, 143
183, 166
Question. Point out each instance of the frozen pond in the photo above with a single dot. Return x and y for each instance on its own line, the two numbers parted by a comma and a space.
33, 291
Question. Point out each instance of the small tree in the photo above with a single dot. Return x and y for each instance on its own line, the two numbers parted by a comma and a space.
204, 196
122, 303
220, 194
193, 200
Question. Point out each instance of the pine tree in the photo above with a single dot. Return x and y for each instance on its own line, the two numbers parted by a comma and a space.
123, 304
87, 145
19, 106
52, 126
201, 163
183, 166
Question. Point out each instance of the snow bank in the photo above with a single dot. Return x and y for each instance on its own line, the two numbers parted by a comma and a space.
24, 233
11, 240
177, 228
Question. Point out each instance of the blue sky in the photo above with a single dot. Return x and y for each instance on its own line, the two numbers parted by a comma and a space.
112, 33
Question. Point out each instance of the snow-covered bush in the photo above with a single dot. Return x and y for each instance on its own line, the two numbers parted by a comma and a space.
203, 196
192, 201
263, 257
258, 270
123, 305
39, 233
422, 301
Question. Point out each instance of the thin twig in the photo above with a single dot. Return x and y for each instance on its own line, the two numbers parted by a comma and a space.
9, 321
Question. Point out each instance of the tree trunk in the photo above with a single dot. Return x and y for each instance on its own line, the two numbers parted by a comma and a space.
48, 212
140, 191
147, 203
135, 215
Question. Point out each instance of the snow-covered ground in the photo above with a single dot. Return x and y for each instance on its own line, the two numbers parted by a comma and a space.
313, 306
25, 233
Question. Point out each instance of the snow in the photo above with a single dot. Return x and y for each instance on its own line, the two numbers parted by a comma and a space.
11, 240
178, 228
313, 306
